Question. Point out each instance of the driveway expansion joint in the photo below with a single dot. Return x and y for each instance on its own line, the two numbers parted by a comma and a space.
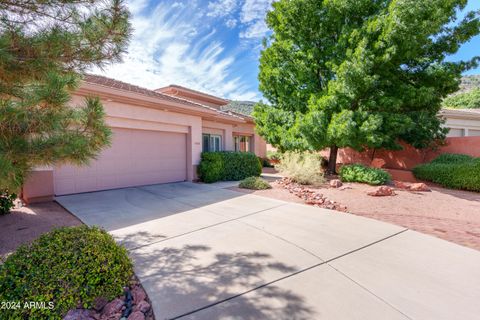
283, 239
203, 228
369, 291
326, 262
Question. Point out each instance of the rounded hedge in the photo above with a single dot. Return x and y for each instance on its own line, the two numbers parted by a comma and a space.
69, 266
363, 174
254, 183
228, 166
455, 171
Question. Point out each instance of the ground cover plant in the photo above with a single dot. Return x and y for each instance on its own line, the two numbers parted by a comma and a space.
302, 167
455, 171
228, 166
363, 174
254, 183
68, 267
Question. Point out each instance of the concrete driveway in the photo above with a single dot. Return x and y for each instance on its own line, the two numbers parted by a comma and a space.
204, 252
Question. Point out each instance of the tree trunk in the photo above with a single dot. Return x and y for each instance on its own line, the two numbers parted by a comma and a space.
332, 160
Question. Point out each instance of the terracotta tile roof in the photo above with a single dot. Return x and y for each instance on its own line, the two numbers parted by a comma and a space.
192, 90
227, 113
117, 84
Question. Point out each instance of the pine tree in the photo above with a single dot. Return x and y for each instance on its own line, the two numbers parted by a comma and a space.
45, 48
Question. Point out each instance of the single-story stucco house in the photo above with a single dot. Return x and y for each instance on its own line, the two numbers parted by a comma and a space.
462, 122
158, 137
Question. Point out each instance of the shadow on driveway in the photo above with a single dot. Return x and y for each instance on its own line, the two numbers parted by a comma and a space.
184, 283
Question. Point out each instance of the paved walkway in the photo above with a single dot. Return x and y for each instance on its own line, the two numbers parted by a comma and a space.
203, 252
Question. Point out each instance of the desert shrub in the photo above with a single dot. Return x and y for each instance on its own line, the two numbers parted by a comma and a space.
228, 166
455, 171
303, 168
363, 174
254, 183
6, 201
69, 266
274, 155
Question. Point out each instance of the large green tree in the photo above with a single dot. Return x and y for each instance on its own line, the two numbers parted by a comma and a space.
45, 47
359, 73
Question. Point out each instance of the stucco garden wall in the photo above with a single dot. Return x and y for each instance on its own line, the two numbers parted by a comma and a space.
409, 157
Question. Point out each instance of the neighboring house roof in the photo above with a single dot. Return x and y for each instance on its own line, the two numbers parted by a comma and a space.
473, 114
244, 108
116, 84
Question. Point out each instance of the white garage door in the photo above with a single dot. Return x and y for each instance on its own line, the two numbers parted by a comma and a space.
136, 157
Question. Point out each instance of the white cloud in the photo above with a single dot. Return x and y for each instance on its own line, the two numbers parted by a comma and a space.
231, 23
257, 29
171, 45
253, 16
136, 6
221, 8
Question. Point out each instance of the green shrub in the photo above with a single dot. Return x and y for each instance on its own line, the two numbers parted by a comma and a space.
69, 266
363, 174
452, 158
254, 183
6, 201
303, 168
211, 167
455, 171
228, 166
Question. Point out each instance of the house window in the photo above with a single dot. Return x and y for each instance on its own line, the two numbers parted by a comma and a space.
212, 142
242, 143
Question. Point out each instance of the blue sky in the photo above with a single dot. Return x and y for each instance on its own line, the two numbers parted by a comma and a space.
207, 45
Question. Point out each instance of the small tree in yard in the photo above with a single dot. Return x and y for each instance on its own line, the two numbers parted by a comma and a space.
359, 73
45, 47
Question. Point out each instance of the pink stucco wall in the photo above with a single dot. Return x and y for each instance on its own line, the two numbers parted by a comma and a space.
39, 186
409, 157
145, 113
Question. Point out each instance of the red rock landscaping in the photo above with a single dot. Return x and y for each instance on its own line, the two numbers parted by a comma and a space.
453, 215
135, 300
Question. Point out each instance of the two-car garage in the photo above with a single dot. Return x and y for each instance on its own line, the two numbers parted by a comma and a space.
157, 138
136, 157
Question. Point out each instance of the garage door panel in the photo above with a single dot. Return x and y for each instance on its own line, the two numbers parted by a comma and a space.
136, 157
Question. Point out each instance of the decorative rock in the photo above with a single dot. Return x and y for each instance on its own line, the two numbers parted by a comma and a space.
113, 307
382, 192
138, 294
137, 315
419, 187
400, 185
99, 303
335, 183
78, 314
114, 316
142, 306
310, 196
